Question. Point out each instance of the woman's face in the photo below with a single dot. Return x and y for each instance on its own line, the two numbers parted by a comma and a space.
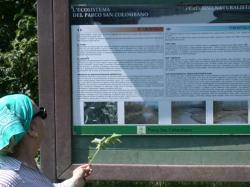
38, 125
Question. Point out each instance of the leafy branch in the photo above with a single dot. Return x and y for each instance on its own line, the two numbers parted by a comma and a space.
103, 143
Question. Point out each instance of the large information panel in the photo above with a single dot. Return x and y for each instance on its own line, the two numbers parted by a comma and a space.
171, 69
171, 76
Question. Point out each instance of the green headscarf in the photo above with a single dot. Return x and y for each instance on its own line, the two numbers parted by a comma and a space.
16, 112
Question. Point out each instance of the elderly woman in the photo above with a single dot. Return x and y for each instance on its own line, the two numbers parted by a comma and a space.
21, 132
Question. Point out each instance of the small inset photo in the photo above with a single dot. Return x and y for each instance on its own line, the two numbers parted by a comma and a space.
230, 112
188, 112
141, 112
100, 113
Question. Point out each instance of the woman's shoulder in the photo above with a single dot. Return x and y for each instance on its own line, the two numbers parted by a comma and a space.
9, 178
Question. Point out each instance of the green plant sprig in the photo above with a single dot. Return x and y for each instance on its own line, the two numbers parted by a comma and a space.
103, 143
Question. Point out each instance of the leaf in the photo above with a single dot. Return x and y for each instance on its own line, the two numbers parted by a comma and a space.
103, 143
113, 139
97, 140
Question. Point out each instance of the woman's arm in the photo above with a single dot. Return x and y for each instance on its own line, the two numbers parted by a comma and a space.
79, 177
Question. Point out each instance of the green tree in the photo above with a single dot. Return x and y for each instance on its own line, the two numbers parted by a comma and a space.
18, 48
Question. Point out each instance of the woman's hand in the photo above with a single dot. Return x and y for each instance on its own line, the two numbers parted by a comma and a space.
81, 173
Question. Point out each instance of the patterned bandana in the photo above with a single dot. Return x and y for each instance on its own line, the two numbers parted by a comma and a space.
16, 112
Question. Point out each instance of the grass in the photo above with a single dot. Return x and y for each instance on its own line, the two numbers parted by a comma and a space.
166, 184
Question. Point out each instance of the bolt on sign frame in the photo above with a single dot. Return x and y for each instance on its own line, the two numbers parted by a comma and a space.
171, 77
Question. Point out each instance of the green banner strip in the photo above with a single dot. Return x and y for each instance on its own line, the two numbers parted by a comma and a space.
206, 129
161, 130
80, 130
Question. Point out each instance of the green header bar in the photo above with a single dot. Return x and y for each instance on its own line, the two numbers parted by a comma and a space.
206, 129
155, 2
80, 130
163, 130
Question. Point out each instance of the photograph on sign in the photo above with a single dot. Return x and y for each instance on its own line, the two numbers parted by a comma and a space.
230, 112
188, 112
100, 113
141, 113
182, 69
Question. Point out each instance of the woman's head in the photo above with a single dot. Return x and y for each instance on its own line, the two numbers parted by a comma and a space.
19, 116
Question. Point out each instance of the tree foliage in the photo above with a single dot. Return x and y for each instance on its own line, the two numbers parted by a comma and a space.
18, 48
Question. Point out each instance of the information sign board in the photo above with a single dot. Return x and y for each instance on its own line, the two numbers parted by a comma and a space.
172, 69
